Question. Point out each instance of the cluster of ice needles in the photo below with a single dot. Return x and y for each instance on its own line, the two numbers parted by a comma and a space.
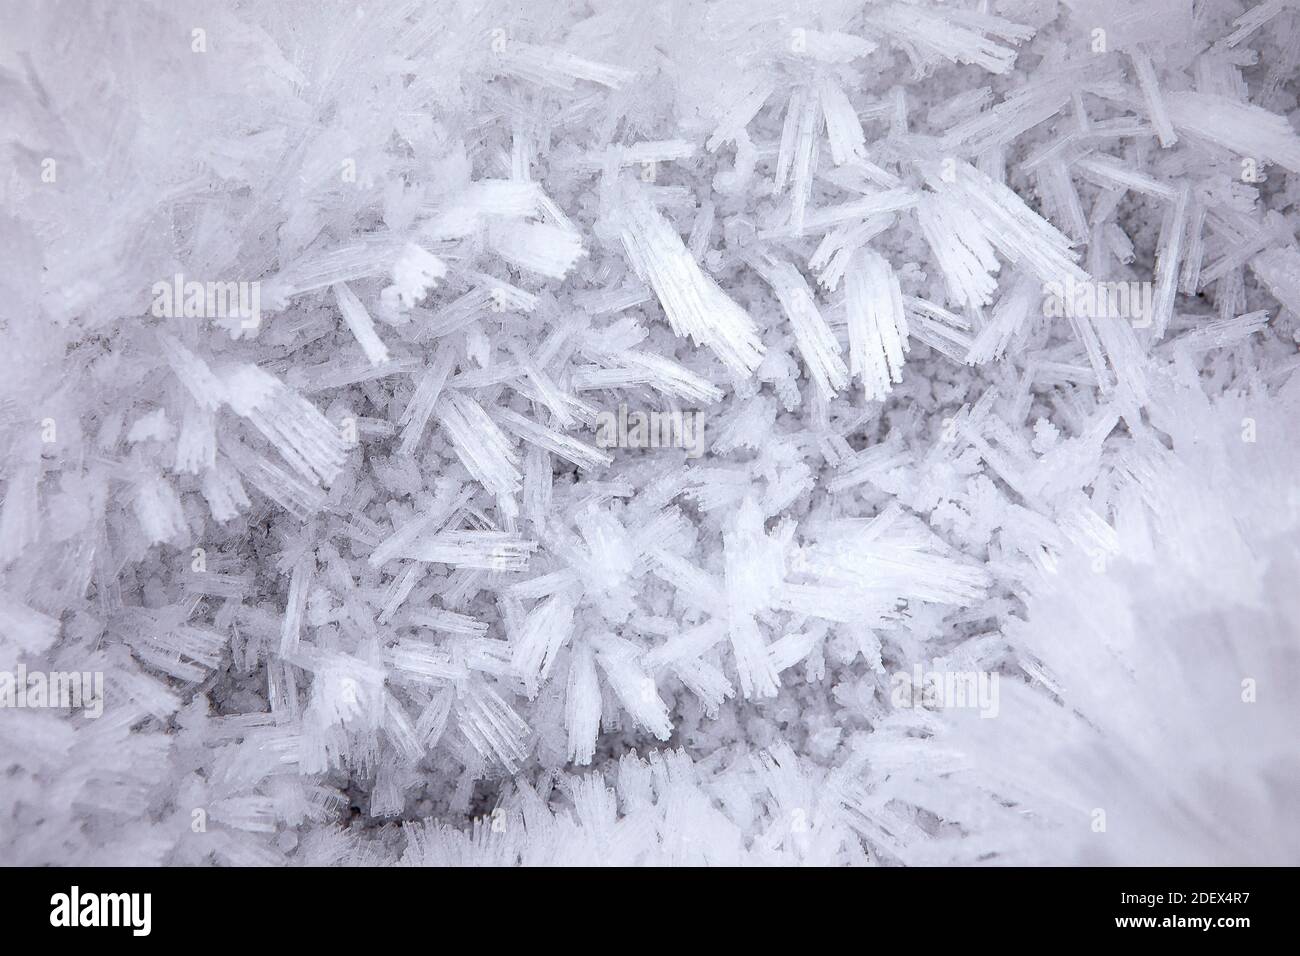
641, 432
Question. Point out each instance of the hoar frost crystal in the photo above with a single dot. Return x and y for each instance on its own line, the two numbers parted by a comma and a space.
967, 329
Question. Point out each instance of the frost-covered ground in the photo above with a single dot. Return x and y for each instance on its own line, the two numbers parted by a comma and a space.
705, 431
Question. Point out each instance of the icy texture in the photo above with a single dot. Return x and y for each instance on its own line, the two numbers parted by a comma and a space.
984, 315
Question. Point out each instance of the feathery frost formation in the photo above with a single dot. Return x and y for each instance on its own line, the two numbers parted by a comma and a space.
614, 433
